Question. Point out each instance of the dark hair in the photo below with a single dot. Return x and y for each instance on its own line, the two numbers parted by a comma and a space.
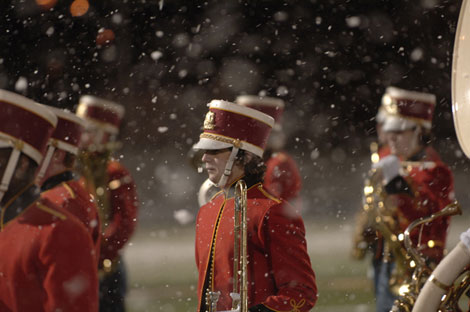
69, 160
255, 168
425, 137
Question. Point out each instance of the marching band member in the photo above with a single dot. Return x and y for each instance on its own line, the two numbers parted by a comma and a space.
280, 276
58, 177
282, 178
365, 237
115, 191
47, 262
419, 189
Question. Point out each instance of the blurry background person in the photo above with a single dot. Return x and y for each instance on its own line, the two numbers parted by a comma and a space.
58, 176
365, 236
280, 276
416, 183
282, 178
115, 192
48, 261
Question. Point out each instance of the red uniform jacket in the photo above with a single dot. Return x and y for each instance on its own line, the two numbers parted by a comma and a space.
123, 203
280, 275
73, 197
282, 178
428, 189
47, 262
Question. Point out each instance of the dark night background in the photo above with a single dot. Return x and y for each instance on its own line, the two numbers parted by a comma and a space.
329, 60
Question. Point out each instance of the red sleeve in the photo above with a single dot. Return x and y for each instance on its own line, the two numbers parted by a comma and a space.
432, 190
71, 277
123, 201
282, 178
284, 236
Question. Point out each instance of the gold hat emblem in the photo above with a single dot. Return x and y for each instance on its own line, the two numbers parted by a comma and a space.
209, 122
390, 105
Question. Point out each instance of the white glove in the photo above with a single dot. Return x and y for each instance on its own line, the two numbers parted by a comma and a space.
465, 238
390, 167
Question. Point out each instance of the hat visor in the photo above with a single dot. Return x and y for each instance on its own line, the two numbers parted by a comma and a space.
395, 123
208, 144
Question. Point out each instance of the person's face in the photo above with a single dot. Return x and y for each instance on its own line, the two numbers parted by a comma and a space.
215, 161
403, 143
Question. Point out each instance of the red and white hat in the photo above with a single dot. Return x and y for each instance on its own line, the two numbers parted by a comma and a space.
232, 125
104, 114
271, 106
228, 124
407, 109
66, 136
25, 126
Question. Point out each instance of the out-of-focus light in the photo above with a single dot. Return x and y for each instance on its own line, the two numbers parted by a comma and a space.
79, 7
46, 4
404, 289
104, 36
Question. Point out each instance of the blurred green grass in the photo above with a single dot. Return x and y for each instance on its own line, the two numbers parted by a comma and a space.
162, 273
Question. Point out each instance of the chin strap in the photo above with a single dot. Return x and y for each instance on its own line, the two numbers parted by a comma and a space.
45, 162
9, 170
228, 167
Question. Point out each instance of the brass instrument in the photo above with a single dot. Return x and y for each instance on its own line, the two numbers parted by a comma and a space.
239, 294
364, 233
446, 286
93, 167
410, 289
381, 217
240, 282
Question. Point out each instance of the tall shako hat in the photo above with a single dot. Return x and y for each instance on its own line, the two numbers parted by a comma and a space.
102, 113
407, 109
271, 106
26, 127
231, 125
66, 136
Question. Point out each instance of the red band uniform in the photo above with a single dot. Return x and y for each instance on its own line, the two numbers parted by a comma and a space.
280, 276
115, 189
64, 188
422, 187
48, 263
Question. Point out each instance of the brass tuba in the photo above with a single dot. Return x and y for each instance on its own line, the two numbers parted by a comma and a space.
410, 289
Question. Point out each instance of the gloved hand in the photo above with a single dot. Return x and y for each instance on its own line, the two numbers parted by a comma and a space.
390, 167
465, 238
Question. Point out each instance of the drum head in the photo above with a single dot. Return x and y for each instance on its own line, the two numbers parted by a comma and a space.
461, 79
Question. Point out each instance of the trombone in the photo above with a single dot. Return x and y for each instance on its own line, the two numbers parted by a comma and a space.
240, 283
239, 294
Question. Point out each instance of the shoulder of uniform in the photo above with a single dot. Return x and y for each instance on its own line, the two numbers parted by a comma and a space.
49, 208
69, 189
267, 194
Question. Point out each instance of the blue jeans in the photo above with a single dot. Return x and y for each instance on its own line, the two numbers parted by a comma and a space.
383, 296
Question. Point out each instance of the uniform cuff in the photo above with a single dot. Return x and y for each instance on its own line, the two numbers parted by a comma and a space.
259, 308
398, 185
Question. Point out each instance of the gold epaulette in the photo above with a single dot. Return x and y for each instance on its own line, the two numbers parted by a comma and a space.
51, 211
